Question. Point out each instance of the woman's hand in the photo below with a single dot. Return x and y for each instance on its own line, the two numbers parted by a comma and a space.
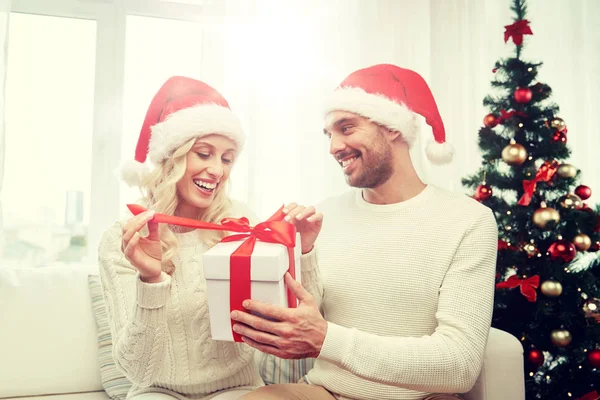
144, 253
307, 221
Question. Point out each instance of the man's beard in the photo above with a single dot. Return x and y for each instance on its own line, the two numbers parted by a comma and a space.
377, 168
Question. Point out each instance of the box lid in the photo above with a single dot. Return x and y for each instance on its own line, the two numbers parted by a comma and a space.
269, 261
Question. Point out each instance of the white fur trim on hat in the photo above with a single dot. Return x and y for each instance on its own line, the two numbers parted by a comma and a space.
378, 108
439, 153
133, 172
191, 122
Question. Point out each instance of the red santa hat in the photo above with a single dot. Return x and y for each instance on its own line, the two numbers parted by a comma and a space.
183, 109
392, 96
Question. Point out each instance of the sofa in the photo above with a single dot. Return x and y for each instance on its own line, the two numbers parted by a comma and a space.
49, 342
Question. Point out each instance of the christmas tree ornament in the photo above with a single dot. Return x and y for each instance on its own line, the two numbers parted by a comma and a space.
522, 95
595, 247
560, 337
545, 217
531, 250
591, 309
551, 288
566, 171
584, 192
562, 250
559, 137
490, 121
558, 124
483, 192
535, 357
582, 242
594, 358
516, 31
570, 201
514, 154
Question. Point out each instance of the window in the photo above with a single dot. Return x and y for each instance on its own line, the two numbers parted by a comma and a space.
49, 124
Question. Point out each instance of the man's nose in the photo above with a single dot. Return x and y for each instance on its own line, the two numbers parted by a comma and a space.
336, 144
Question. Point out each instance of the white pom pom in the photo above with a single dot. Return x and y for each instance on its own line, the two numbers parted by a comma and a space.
439, 153
133, 172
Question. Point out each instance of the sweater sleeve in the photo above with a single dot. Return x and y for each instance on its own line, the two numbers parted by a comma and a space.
136, 312
449, 360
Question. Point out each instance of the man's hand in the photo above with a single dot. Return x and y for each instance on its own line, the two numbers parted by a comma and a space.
307, 221
297, 333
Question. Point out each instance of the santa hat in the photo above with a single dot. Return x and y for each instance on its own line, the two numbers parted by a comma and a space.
392, 96
183, 109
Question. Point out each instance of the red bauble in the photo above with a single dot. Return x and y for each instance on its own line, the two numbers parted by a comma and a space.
523, 95
562, 250
483, 192
490, 121
559, 137
594, 358
584, 192
586, 208
535, 357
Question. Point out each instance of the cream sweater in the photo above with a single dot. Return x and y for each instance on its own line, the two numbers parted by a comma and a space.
407, 290
161, 332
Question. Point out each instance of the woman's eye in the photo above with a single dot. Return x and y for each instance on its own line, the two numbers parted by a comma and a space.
203, 155
228, 160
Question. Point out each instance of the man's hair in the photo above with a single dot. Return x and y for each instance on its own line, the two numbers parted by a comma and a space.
159, 193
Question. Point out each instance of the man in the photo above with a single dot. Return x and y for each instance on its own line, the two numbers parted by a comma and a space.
407, 269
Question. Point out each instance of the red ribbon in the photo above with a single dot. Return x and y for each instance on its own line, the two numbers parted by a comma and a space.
590, 396
516, 31
273, 230
506, 115
544, 174
528, 286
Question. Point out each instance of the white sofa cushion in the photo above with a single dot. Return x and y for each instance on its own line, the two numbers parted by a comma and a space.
114, 381
48, 333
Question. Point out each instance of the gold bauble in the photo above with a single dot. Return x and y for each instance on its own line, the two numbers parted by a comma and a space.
582, 242
531, 250
591, 308
566, 171
570, 201
514, 154
558, 123
561, 337
551, 288
546, 217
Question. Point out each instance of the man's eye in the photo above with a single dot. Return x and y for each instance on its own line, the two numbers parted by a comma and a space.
347, 128
204, 156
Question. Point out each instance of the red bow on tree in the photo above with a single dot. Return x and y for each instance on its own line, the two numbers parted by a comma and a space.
506, 115
544, 174
516, 31
590, 396
528, 286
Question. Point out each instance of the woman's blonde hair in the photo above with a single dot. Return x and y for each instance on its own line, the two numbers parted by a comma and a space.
159, 191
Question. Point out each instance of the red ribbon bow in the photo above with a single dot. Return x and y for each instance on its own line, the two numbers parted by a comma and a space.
273, 230
528, 286
506, 115
590, 396
516, 31
544, 174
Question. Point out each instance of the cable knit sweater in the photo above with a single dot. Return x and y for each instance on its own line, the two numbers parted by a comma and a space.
407, 290
161, 332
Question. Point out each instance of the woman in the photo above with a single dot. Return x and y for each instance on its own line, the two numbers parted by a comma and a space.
152, 274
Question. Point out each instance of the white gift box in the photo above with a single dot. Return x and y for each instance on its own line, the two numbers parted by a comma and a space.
268, 264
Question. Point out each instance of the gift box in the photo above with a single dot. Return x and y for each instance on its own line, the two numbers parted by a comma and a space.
227, 279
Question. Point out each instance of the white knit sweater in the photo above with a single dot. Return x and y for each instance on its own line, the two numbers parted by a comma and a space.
161, 332
407, 292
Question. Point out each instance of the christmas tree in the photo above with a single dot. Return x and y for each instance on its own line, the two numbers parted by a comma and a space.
548, 269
